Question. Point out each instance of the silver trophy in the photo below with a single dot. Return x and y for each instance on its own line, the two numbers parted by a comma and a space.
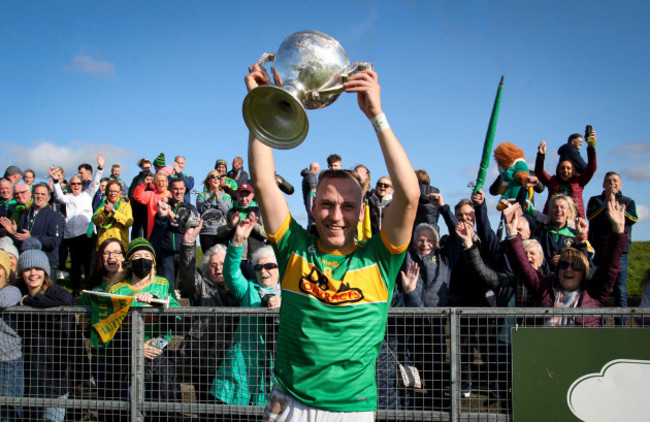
309, 70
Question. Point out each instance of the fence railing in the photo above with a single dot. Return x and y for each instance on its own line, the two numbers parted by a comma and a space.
218, 363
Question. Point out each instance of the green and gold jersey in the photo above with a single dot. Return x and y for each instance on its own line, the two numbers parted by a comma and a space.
159, 287
333, 318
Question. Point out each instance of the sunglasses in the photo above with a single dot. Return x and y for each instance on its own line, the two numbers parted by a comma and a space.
575, 266
383, 185
74, 184
214, 176
268, 266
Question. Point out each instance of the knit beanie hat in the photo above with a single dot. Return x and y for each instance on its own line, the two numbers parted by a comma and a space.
221, 161
33, 258
140, 244
5, 263
7, 245
160, 160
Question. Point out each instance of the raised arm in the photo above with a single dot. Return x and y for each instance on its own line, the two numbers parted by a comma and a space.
273, 205
399, 217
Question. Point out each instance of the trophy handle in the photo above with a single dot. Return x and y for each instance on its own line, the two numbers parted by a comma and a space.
345, 74
265, 58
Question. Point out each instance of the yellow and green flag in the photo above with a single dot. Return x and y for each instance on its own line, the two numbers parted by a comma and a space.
108, 312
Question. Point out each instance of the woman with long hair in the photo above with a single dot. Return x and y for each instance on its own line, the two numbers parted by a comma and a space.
46, 337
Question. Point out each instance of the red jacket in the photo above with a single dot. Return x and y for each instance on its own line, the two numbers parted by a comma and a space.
149, 198
576, 183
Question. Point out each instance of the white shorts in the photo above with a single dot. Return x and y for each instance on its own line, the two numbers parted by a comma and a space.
281, 407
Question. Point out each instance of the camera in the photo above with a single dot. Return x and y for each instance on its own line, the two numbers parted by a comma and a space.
185, 219
588, 131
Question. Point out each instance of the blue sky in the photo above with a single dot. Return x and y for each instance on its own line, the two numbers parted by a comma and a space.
132, 79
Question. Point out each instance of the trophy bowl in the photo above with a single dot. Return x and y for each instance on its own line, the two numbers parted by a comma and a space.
309, 70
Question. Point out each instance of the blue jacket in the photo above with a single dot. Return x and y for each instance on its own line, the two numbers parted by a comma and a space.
47, 227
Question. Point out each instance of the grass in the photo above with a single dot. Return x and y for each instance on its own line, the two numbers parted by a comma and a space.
638, 264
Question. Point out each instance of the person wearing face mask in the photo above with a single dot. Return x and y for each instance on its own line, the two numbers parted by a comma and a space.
141, 282
566, 179
254, 338
79, 213
114, 216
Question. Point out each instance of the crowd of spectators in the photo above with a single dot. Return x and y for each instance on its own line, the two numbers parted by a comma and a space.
140, 240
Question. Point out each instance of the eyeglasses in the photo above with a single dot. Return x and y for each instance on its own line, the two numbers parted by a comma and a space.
575, 266
214, 176
110, 254
268, 266
74, 184
20, 193
383, 185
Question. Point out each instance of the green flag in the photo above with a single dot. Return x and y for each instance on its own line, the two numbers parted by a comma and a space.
108, 312
489, 139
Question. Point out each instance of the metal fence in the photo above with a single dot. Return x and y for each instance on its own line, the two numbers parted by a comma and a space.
218, 363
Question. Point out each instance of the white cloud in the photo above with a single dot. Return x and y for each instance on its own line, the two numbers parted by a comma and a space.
618, 392
43, 154
641, 172
643, 212
82, 63
632, 151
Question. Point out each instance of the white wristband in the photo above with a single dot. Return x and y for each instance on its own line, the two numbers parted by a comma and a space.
380, 123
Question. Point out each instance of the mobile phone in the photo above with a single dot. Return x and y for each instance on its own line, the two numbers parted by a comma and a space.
160, 342
588, 131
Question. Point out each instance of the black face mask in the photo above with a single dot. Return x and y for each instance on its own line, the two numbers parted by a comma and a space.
141, 267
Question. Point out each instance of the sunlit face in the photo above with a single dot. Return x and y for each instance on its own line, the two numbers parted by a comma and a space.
29, 178
425, 242
178, 190
534, 256
41, 197
465, 214
102, 186
113, 193
559, 212
336, 165
384, 187
180, 162
112, 258
6, 190
216, 267
115, 172
75, 185
221, 169
570, 278
146, 168
237, 163
160, 182
337, 209
613, 182
22, 194
577, 142
523, 228
244, 198
14, 178
363, 173
85, 174
565, 170
34, 279
267, 277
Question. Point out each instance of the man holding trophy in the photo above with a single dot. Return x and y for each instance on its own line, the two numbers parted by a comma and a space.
336, 293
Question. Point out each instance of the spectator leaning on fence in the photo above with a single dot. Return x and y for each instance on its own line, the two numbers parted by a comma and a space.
571, 286
46, 337
11, 354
